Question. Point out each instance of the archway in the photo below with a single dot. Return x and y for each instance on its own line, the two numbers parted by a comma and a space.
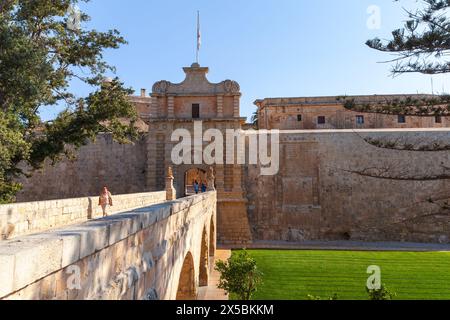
212, 238
204, 261
191, 176
186, 285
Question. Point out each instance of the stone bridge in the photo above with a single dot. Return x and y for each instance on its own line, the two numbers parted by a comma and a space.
153, 248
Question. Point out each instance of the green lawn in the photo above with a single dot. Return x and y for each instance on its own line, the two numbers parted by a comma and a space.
292, 275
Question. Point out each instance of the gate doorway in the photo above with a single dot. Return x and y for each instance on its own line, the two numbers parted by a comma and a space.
192, 176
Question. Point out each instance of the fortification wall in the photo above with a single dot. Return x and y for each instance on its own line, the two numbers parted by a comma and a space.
104, 163
334, 185
131, 256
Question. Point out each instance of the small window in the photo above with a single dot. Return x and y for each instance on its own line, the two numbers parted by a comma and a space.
195, 111
401, 119
360, 120
438, 119
321, 120
299, 118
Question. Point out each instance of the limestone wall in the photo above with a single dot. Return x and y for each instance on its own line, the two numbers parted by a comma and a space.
135, 255
334, 185
104, 163
31, 217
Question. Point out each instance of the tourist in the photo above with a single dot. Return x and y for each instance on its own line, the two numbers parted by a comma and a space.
105, 200
196, 187
203, 187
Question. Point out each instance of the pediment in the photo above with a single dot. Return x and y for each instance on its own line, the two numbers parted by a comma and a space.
196, 83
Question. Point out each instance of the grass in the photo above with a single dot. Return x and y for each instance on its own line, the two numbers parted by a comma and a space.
292, 275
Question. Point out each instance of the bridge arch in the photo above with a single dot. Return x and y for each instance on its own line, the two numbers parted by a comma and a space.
187, 289
204, 260
212, 238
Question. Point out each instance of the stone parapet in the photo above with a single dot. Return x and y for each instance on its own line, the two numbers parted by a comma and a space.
128, 256
25, 218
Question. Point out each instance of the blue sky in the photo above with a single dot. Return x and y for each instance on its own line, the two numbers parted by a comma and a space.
273, 48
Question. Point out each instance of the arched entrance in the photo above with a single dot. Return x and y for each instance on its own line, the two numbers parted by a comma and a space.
204, 261
190, 177
186, 286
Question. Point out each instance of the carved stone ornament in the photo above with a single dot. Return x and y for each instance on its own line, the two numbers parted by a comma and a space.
169, 172
231, 86
161, 87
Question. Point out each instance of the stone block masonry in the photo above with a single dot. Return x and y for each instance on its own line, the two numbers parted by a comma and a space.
122, 168
136, 255
26, 218
334, 185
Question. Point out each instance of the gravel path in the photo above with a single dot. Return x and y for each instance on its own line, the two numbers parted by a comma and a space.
344, 245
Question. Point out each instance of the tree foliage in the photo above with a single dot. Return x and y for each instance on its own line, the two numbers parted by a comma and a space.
239, 275
254, 120
423, 44
426, 105
41, 55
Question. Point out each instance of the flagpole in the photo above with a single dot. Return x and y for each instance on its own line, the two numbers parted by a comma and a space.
198, 37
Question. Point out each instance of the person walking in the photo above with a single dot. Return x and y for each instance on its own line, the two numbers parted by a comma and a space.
196, 187
105, 200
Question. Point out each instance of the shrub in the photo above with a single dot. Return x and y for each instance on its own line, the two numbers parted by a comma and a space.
381, 294
318, 298
239, 275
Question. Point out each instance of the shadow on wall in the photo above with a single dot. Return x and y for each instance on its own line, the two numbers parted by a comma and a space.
90, 210
8, 230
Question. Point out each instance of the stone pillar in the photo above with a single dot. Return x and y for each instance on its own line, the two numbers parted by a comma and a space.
154, 112
162, 107
220, 178
237, 178
237, 106
171, 107
211, 180
151, 162
171, 193
220, 106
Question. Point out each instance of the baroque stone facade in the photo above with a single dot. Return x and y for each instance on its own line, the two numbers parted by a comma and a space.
180, 106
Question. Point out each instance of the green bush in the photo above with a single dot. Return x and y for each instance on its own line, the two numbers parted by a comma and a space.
239, 275
381, 294
318, 298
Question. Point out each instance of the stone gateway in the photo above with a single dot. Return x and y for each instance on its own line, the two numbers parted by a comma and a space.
343, 175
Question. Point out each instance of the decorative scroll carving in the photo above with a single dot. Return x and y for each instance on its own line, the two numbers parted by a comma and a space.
231, 86
161, 87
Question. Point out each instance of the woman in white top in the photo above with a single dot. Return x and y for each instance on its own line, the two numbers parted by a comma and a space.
105, 200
